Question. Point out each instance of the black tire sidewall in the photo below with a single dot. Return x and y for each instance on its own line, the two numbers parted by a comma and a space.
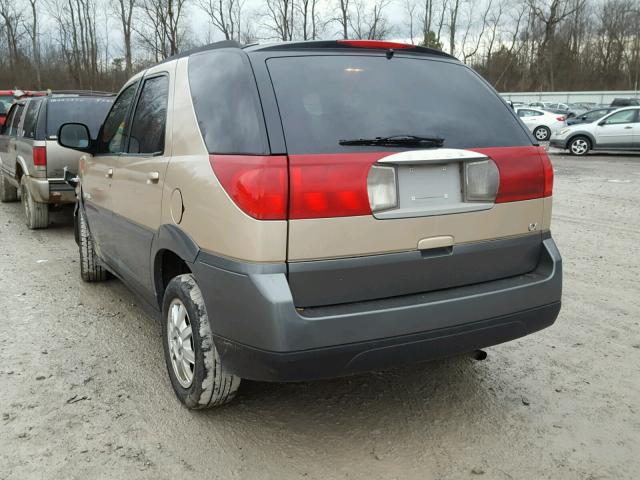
178, 288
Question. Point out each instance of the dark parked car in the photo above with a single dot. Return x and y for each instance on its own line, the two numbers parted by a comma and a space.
590, 116
625, 102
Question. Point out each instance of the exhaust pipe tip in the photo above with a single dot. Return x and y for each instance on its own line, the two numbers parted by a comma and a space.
479, 355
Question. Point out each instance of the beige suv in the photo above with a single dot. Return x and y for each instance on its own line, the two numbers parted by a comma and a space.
307, 210
32, 162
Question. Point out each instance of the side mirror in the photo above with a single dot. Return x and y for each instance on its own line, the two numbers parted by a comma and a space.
71, 178
75, 136
601, 123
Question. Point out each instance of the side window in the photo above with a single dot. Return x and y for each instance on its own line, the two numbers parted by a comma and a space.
9, 120
148, 126
112, 138
30, 117
225, 98
626, 116
527, 113
13, 130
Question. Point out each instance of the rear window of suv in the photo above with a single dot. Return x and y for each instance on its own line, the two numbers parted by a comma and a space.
88, 110
324, 99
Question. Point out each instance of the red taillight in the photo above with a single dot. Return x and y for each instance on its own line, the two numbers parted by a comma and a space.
257, 184
332, 185
375, 44
40, 156
560, 118
548, 175
524, 172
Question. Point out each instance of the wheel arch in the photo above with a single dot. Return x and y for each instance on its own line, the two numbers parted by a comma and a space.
581, 133
173, 253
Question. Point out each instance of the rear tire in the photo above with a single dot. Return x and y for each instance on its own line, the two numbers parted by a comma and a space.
196, 373
91, 270
542, 133
36, 213
579, 146
8, 193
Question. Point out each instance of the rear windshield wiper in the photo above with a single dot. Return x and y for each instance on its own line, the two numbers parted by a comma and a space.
396, 141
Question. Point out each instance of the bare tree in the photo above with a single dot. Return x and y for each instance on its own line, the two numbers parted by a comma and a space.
343, 18
279, 18
225, 15
308, 10
35, 46
161, 31
12, 18
454, 10
125, 10
371, 24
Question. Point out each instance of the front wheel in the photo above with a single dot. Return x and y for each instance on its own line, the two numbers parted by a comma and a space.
542, 133
36, 213
579, 146
198, 377
91, 270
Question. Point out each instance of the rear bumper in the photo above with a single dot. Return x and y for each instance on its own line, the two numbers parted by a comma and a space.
55, 191
340, 360
260, 335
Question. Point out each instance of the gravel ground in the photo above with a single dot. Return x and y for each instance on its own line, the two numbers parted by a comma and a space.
84, 394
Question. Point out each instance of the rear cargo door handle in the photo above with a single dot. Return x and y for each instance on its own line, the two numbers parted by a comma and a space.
153, 177
109, 173
628, 127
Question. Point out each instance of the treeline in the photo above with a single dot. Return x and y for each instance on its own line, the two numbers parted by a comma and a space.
518, 45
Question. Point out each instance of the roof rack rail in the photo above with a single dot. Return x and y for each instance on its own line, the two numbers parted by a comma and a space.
81, 92
204, 48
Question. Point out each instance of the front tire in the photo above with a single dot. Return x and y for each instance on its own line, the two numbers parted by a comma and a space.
8, 193
36, 213
91, 270
579, 146
196, 373
542, 133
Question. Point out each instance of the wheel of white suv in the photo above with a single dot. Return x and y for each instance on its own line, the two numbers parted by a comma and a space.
197, 376
542, 133
36, 213
579, 146
91, 270
8, 193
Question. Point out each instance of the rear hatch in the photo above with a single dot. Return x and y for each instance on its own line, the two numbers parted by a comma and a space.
90, 111
407, 173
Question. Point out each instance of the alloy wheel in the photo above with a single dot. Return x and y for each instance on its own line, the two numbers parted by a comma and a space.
180, 337
579, 146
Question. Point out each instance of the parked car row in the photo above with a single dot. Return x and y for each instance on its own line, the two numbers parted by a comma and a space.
301, 210
603, 128
616, 130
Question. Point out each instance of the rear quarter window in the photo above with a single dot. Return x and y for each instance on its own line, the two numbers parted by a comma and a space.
325, 98
226, 102
30, 119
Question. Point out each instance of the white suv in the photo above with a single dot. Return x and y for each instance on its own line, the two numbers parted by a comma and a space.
619, 130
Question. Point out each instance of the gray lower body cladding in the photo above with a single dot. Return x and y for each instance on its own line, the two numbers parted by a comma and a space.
261, 335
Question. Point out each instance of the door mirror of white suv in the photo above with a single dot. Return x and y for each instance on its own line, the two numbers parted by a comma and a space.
75, 136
